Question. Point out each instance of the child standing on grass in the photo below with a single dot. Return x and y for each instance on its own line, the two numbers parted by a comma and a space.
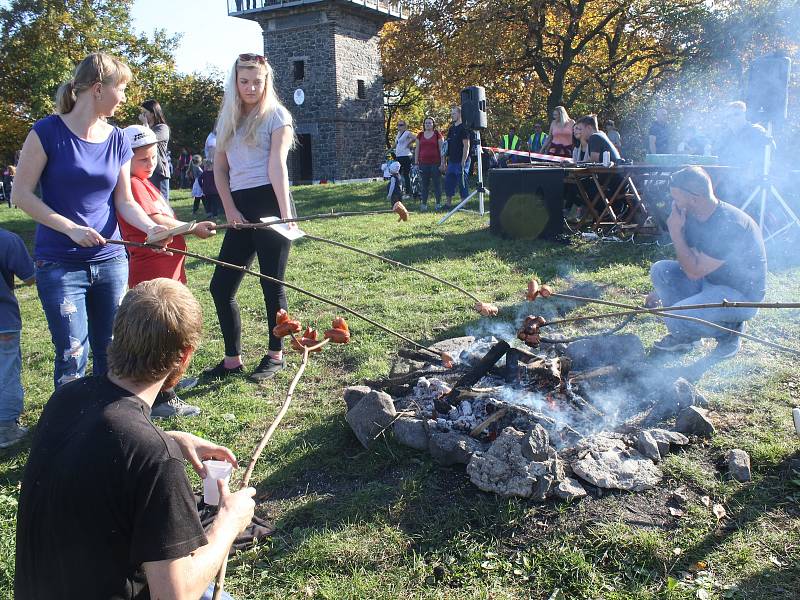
145, 264
14, 261
394, 191
196, 170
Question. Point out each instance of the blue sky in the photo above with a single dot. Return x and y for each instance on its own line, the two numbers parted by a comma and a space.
211, 39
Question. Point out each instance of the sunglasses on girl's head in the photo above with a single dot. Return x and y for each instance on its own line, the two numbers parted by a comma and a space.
253, 58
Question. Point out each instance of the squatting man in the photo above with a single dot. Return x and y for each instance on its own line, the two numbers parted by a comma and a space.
720, 255
106, 509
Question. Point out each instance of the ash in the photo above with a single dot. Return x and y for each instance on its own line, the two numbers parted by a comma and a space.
553, 424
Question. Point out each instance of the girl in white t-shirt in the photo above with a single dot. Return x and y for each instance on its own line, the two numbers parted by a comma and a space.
403, 150
254, 136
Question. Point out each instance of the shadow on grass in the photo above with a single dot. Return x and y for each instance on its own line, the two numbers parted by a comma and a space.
339, 483
774, 494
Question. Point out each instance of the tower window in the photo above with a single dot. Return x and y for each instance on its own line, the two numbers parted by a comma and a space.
299, 70
361, 94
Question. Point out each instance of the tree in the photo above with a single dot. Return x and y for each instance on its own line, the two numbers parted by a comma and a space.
41, 41
191, 104
584, 54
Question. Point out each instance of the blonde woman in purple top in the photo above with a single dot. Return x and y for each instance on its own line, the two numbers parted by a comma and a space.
83, 165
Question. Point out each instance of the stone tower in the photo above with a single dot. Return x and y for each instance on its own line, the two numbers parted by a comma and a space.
328, 74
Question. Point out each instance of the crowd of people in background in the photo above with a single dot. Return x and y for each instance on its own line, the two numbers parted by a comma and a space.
427, 158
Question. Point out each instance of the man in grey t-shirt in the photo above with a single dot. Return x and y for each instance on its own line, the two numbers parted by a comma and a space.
720, 255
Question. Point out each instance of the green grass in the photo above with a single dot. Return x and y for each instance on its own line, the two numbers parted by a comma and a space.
387, 523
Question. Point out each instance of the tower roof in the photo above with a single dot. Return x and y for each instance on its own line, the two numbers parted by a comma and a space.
391, 9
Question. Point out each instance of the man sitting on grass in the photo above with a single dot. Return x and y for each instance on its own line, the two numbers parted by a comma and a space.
720, 255
106, 509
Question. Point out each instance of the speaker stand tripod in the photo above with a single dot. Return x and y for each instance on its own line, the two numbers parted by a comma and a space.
765, 189
480, 190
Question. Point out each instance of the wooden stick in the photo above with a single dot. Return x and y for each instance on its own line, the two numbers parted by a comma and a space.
496, 415
723, 304
305, 218
395, 263
220, 581
281, 282
665, 313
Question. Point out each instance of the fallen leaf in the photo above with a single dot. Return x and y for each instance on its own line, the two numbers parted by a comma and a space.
719, 511
700, 565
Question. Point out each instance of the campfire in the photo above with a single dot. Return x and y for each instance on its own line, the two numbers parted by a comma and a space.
551, 421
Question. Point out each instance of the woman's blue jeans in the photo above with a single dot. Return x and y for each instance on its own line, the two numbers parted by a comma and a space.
80, 303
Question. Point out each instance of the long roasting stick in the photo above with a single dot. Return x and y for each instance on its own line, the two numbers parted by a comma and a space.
219, 583
723, 304
395, 263
281, 282
668, 313
335, 215
665, 313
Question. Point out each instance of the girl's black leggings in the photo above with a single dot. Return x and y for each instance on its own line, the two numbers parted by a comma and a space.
239, 247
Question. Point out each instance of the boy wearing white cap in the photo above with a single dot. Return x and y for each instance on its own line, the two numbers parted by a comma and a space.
394, 191
145, 264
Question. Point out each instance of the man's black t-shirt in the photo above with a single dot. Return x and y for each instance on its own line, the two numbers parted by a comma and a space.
455, 142
599, 142
730, 235
743, 147
104, 490
663, 136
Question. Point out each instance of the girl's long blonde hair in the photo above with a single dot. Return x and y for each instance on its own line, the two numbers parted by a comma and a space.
563, 117
231, 117
95, 68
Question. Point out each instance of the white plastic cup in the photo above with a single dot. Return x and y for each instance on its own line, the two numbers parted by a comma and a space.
606, 158
796, 415
215, 470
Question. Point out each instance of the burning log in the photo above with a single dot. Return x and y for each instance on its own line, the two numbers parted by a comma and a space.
473, 375
476, 373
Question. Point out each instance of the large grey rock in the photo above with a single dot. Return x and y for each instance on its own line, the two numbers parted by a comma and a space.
372, 414
542, 488
449, 448
676, 397
504, 470
666, 439
739, 465
554, 464
618, 469
694, 421
606, 350
535, 444
411, 432
569, 489
600, 442
354, 393
647, 445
